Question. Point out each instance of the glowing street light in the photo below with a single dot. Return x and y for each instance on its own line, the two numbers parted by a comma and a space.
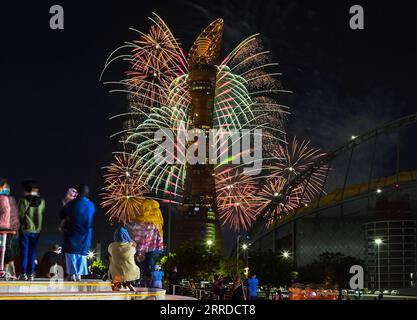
91, 255
285, 254
246, 273
378, 191
245, 248
378, 242
209, 243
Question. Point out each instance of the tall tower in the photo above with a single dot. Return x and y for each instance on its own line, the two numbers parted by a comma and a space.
198, 218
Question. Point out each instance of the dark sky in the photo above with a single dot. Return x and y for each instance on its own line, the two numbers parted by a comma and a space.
54, 111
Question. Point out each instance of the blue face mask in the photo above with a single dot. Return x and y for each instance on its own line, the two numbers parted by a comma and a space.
5, 192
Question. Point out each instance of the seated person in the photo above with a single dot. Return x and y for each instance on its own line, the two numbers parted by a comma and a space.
123, 269
50, 259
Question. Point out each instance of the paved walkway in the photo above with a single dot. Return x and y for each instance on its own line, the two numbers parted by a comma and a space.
44, 289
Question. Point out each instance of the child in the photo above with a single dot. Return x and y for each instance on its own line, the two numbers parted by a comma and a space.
156, 277
123, 269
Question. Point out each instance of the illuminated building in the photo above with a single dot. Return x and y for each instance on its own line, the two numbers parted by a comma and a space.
198, 217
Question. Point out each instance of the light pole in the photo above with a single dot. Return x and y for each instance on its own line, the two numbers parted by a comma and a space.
245, 250
169, 224
237, 254
378, 242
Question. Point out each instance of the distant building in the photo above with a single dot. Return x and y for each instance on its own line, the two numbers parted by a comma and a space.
386, 210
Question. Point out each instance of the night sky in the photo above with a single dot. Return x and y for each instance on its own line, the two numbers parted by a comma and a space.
54, 110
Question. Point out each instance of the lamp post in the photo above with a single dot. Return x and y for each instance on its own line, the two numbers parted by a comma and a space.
378, 242
245, 248
237, 254
169, 224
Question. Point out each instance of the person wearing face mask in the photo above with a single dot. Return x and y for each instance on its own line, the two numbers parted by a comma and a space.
9, 224
31, 211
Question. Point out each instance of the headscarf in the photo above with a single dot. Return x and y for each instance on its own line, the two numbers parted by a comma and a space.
121, 235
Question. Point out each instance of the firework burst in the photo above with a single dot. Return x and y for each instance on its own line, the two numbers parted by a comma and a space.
236, 199
124, 192
272, 205
156, 59
246, 97
291, 159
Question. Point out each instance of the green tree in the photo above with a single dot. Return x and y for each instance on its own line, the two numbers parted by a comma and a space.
330, 269
98, 267
194, 260
168, 262
228, 268
271, 269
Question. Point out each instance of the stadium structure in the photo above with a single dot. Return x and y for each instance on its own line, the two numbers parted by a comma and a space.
369, 211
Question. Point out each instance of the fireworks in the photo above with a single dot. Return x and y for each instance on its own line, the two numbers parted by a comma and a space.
156, 59
236, 199
292, 159
246, 97
272, 204
123, 192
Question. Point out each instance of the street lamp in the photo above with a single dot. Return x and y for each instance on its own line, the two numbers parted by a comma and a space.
378, 242
237, 254
91, 255
245, 248
209, 243
286, 255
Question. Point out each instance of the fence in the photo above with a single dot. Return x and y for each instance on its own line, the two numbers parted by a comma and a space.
199, 294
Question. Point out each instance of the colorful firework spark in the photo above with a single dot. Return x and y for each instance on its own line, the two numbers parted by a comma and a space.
292, 159
246, 97
124, 191
272, 205
156, 59
236, 198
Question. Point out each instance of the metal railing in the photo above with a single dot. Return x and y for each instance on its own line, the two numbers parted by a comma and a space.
200, 294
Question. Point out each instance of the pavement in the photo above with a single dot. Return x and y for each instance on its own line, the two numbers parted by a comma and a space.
44, 289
